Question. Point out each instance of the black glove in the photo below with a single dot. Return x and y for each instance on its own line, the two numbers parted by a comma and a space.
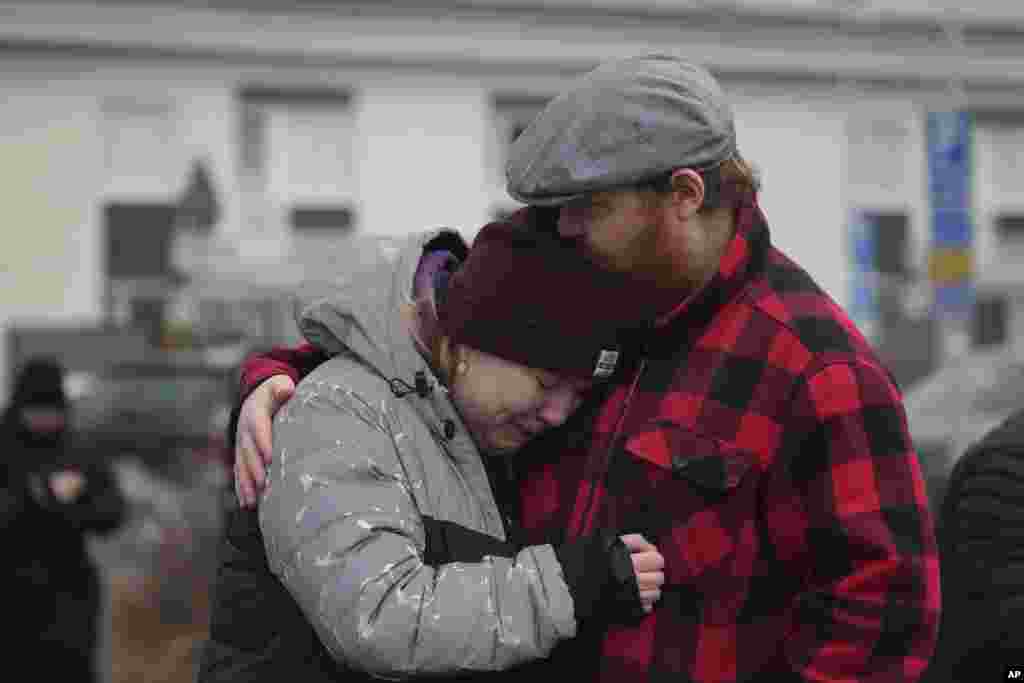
599, 571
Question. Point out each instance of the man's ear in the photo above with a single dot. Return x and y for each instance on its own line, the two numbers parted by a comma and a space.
687, 191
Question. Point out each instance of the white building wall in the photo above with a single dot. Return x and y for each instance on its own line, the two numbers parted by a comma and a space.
998, 187
423, 149
421, 160
51, 263
799, 151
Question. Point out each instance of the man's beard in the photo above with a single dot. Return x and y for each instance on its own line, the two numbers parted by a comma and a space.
642, 255
645, 257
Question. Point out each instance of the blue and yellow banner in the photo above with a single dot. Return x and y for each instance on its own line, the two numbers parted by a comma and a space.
950, 265
862, 233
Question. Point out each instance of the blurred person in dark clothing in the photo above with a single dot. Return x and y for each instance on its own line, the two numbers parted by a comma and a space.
50, 498
981, 541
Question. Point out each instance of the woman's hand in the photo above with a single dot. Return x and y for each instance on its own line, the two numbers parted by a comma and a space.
67, 485
648, 565
253, 438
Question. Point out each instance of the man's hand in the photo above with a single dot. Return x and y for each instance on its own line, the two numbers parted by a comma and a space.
648, 565
253, 439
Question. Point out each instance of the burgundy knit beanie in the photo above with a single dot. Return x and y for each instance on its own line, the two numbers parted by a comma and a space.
530, 297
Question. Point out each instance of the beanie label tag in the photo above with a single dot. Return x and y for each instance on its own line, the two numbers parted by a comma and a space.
606, 362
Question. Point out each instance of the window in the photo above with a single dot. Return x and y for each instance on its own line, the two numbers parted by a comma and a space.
989, 322
1010, 227
891, 247
314, 219
138, 240
297, 158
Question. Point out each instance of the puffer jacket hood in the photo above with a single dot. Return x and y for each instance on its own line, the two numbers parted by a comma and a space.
361, 312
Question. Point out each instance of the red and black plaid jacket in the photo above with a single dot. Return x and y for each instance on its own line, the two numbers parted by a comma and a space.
762, 446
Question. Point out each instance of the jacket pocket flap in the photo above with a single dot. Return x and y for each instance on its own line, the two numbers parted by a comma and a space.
703, 460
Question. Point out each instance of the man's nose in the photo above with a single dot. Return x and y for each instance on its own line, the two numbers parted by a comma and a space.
572, 221
558, 406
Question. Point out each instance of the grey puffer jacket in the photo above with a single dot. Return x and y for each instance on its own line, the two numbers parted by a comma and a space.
362, 476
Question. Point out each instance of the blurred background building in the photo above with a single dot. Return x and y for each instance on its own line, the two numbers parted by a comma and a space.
171, 169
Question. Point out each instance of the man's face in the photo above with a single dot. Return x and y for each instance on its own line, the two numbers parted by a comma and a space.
621, 230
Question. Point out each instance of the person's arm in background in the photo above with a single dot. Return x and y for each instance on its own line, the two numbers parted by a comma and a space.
87, 495
266, 381
294, 362
851, 502
96, 503
982, 542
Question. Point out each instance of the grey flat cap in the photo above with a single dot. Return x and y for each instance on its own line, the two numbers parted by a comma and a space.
624, 122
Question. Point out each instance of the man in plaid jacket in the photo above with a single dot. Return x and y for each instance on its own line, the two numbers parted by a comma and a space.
755, 438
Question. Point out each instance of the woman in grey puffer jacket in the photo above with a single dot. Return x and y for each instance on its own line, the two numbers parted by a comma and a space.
379, 514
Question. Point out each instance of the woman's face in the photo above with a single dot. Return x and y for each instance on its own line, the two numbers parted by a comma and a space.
505, 404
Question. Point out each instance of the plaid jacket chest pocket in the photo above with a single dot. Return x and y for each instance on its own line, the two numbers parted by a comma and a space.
696, 497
